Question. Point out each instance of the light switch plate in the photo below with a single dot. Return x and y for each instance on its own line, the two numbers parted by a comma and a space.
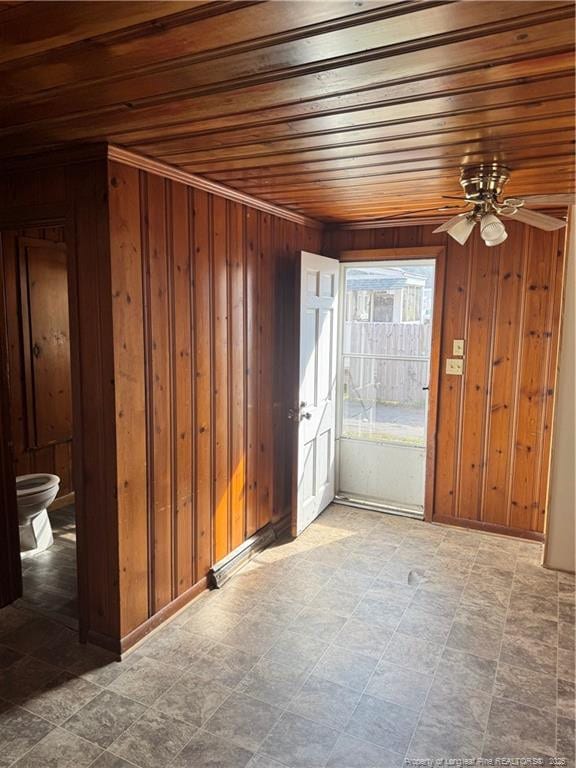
454, 366
458, 347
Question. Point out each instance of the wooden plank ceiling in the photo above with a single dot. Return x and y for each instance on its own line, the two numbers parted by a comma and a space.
344, 111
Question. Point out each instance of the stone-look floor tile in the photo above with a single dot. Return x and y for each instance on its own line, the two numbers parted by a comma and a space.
525, 652
399, 685
380, 613
336, 599
272, 608
8, 656
60, 698
145, 680
211, 622
355, 581
297, 650
480, 613
491, 593
566, 699
538, 628
413, 653
243, 720
462, 709
346, 668
565, 664
222, 664
325, 702
299, 743
359, 637
566, 636
565, 739
492, 556
153, 741
435, 602
519, 730
108, 760
255, 635
425, 625
32, 635
192, 699
350, 752
207, 751
60, 749
263, 761
479, 640
567, 610
534, 605
323, 625
383, 589
19, 732
525, 686
434, 739
104, 718
273, 683
24, 678
11, 618
387, 725
174, 646
466, 671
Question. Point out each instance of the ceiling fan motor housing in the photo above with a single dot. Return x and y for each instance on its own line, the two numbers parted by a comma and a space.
484, 182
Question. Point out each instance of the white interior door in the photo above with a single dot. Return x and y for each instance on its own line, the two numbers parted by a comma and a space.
316, 414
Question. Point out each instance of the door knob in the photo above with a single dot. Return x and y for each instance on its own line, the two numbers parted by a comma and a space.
307, 415
36, 350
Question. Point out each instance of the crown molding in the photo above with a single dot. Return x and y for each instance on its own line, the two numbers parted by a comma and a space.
144, 163
383, 223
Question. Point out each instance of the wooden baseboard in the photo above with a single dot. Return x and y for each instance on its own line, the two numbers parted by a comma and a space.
164, 615
63, 501
488, 527
222, 571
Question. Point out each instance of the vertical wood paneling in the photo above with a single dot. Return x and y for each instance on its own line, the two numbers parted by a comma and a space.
203, 401
221, 363
183, 388
130, 384
266, 315
237, 327
253, 352
493, 438
160, 389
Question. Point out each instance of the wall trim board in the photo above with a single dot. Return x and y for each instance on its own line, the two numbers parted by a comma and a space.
144, 163
387, 254
164, 615
478, 525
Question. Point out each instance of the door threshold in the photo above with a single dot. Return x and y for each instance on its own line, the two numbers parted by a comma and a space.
374, 506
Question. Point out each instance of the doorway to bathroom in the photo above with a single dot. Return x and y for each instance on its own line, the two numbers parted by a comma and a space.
35, 276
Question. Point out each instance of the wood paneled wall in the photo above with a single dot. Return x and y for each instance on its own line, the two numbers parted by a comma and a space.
494, 422
41, 419
204, 354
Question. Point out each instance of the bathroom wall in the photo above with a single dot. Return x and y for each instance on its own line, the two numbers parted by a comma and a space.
494, 422
183, 355
35, 274
204, 354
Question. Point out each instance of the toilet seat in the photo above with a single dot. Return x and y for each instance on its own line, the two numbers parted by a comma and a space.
27, 485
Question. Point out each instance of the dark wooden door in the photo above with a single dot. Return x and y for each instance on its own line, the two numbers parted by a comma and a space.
10, 568
44, 286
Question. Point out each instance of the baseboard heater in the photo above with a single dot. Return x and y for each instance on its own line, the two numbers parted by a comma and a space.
222, 571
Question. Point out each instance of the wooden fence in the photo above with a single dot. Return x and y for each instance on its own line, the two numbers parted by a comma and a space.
390, 380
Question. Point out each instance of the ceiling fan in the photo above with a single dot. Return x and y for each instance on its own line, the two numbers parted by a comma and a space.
483, 185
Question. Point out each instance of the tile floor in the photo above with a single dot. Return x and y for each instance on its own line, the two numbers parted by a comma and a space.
370, 641
49, 578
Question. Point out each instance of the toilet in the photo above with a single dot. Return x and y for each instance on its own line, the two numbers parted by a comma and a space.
34, 494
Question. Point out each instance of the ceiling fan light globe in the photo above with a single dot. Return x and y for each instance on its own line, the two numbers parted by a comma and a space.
491, 228
461, 230
496, 240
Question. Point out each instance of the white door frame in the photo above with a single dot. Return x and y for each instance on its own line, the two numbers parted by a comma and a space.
368, 258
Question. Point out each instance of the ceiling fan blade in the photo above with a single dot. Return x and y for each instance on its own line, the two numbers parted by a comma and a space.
556, 199
535, 219
454, 197
447, 224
